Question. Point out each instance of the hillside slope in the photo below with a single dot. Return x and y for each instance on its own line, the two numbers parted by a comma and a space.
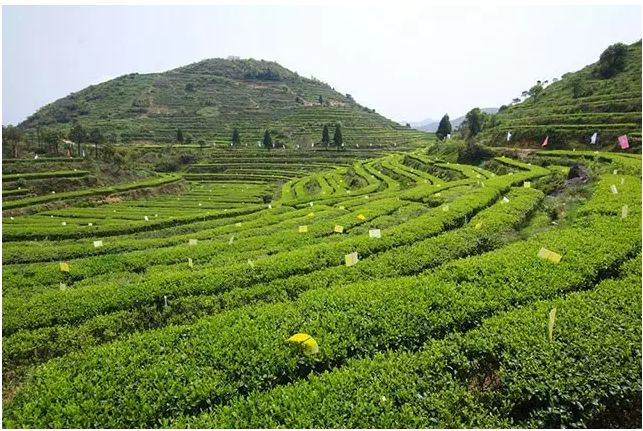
572, 109
210, 98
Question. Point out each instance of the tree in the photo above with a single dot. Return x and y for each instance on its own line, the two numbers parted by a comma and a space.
96, 138
179, 135
444, 128
579, 87
321, 100
13, 137
236, 139
515, 100
267, 139
337, 137
536, 90
52, 138
77, 134
325, 136
611, 61
474, 120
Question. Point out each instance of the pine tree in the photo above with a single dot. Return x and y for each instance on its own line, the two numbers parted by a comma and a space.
337, 137
179, 135
444, 128
236, 140
267, 139
325, 136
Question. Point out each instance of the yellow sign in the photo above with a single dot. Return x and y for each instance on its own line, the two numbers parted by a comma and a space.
527, 184
303, 229
192, 242
339, 229
342, 207
98, 244
375, 233
624, 211
549, 255
190, 263
613, 189
351, 259
550, 325
307, 343
361, 217
64, 267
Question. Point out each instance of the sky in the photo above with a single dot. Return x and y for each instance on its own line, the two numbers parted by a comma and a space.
408, 62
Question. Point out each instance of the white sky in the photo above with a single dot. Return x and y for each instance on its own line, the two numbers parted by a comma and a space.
408, 61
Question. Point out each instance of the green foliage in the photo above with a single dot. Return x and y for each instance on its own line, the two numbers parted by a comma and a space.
444, 128
267, 139
474, 121
236, 139
338, 140
612, 61
325, 136
179, 135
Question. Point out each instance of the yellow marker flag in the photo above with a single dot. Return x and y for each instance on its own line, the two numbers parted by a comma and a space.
624, 211
339, 229
361, 217
238, 224
303, 229
375, 233
341, 207
351, 259
64, 267
251, 263
192, 242
231, 240
478, 225
527, 184
550, 325
190, 263
307, 343
613, 189
98, 244
549, 255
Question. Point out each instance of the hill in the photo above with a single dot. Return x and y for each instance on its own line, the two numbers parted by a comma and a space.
208, 99
573, 108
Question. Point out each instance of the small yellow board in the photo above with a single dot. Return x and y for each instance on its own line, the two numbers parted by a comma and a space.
361, 217
549, 255
303, 229
339, 229
308, 343
64, 267
351, 259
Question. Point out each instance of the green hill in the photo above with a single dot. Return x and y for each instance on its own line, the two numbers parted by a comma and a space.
208, 99
573, 108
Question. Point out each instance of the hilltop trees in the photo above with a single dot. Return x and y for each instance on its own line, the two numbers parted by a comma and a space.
325, 136
611, 61
236, 139
337, 137
52, 138
13, 137
473, 121
96, 137
444, 128
267, 139
77, 134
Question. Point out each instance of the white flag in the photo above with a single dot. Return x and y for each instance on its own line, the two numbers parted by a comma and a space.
593, 138
508, 136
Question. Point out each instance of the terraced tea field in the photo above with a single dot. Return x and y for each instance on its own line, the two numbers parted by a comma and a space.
436, 295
